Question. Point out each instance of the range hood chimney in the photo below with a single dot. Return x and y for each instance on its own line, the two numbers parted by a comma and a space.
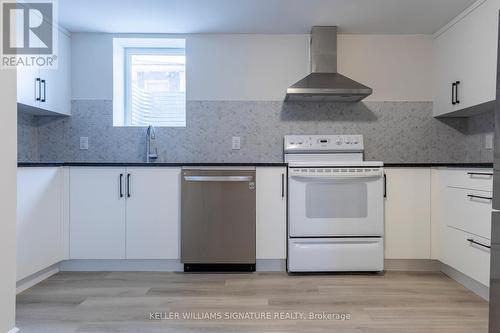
324, 84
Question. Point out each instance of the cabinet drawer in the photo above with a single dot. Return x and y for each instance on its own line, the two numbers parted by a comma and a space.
474, 179
471, 259
335, 254
469, 211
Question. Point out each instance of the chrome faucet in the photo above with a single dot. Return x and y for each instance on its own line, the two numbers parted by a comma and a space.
151, 149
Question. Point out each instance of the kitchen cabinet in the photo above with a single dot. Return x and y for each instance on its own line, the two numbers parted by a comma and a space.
124, 213
153, 213
462, 223
97, 213
271, 192
465, 256
47, 91
469, 210
407, 213
39, 219
465, 60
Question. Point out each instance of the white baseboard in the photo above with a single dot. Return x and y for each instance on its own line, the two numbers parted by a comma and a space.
163, 265
130, 265
270, 265
14, 330
262, 265
36, 278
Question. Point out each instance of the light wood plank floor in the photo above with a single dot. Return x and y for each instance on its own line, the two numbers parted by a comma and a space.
121, 302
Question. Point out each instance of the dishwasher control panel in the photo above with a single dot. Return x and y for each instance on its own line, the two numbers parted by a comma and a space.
323, 143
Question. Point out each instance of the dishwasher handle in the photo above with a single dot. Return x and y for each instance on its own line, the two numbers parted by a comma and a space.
218, 178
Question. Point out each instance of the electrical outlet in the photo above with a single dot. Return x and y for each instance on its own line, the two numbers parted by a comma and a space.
488, 141
84, 143
236, 142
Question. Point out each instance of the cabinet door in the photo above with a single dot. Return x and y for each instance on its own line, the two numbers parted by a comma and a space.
467, 52
56, 88
97, 213
271, 194
407, 214
153, 213
28, 89
39, 219
446, 71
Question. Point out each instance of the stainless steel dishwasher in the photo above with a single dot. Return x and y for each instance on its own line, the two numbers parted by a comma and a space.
218, 220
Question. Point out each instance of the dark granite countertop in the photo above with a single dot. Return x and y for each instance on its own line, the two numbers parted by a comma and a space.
437, 165
187, 164
142, 164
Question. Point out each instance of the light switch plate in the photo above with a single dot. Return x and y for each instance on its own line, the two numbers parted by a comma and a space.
236, 142
488, 141
84, 143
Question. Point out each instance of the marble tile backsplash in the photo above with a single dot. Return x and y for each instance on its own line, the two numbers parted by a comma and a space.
27, 137
477, 127
395, 132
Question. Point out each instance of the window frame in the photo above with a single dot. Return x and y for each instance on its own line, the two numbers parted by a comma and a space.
169, 45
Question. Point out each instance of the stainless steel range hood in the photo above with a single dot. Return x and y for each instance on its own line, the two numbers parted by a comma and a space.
324, 84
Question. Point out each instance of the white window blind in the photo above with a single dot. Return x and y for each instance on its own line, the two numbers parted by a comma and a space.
155, 87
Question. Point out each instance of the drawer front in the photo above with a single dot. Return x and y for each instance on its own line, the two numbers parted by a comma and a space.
469, 210
335, 254
471, 259
474, 179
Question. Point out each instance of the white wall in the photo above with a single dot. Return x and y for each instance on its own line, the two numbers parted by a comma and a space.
261, 67
8, 169
396, 67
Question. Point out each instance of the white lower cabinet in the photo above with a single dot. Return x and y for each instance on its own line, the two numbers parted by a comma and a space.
39, 219
124, 213
97, 213
153, 213
271, 192
465, 256
469, 210
408, 213
463, 220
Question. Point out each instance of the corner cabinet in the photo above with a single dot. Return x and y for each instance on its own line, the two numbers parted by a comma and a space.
39, 227
465, 60
47, 91
408, 213
124, 213
271, 192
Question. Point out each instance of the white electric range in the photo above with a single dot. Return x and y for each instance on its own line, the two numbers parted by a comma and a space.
335, 205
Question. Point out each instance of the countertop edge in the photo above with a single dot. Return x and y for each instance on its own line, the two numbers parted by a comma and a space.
141, 164
438, 165
181, 164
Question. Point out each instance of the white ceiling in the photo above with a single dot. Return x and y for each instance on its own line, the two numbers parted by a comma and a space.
258, 16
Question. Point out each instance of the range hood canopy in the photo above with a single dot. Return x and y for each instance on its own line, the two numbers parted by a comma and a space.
324, 84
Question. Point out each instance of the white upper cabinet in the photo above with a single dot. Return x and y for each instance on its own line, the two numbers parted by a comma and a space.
271, 194
465, 60
153, 213
408, 214
39, 219
47, 91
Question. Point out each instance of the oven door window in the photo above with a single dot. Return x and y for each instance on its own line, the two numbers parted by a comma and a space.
336, 200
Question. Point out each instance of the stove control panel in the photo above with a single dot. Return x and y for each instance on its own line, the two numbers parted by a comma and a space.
323, 143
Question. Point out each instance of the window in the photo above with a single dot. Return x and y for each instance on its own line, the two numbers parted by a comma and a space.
153, 83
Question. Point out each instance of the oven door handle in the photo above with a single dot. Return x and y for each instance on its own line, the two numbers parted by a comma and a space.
337, 177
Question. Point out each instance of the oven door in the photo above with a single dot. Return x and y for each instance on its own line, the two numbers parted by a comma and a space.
331, 202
